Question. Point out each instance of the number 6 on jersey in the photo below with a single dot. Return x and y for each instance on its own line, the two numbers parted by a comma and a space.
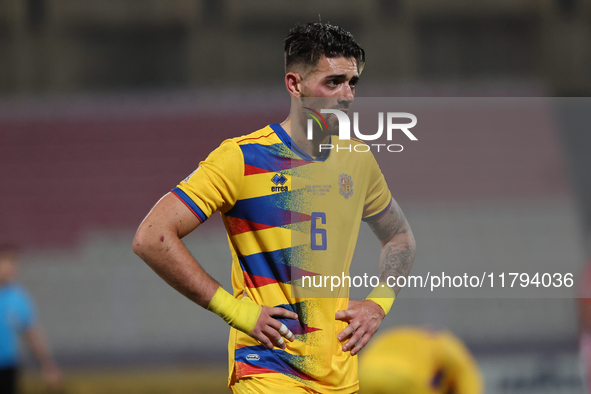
315, 232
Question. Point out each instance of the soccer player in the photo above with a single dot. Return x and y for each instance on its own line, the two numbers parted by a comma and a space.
290, 211
412, 360
17, 318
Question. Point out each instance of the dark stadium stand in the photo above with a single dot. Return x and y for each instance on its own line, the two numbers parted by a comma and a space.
61, 177
67, 173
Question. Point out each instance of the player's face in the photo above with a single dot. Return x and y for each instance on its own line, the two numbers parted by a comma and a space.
333, 82
332, 77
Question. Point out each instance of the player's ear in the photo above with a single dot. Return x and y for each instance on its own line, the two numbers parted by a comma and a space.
293, 83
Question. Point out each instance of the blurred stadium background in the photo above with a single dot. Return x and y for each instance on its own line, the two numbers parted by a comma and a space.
106, 104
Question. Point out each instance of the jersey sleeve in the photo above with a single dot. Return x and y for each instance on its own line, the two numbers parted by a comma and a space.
378, 199
215, 184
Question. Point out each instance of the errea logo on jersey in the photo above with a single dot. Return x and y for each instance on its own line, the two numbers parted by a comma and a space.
279, 180
345, 129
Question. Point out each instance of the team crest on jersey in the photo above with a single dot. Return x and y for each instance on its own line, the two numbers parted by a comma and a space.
345, 185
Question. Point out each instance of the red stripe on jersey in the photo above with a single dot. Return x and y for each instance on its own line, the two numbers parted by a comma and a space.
254, 281
297, 217
252, 170
298, 163
239, 226
309, 329
247, 280
298, 273
243, 369
255, 138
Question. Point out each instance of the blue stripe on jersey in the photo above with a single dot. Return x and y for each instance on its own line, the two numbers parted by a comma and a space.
275, 360
297, 326
380, 214
272, 158
272, 209
190, 204
267, 359
286, 139
273, 265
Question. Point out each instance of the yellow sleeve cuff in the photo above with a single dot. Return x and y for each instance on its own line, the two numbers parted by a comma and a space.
383, 295
240, 314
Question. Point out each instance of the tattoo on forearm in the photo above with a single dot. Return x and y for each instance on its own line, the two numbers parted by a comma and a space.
396, 260
398, 244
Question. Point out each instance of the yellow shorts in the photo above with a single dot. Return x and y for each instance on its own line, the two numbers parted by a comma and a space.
270, 385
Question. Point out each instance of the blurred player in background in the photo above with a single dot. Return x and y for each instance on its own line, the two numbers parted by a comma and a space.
249, 179
17, 319
584, 311
576, 139
412, 360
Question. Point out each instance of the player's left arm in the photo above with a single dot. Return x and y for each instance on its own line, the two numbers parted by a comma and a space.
398, 244
396, 259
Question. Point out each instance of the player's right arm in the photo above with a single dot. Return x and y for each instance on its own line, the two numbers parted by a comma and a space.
158, 243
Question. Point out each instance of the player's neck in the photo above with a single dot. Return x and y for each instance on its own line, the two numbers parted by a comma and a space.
297, 133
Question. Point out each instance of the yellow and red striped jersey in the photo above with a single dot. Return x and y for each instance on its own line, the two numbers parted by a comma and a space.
289, 216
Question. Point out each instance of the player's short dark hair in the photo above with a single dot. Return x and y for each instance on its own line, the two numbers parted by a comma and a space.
306, 44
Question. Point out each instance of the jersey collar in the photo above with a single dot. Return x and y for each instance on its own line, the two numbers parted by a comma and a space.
286, 139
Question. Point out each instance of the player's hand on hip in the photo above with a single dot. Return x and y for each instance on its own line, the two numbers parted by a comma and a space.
269, 331
364, 318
